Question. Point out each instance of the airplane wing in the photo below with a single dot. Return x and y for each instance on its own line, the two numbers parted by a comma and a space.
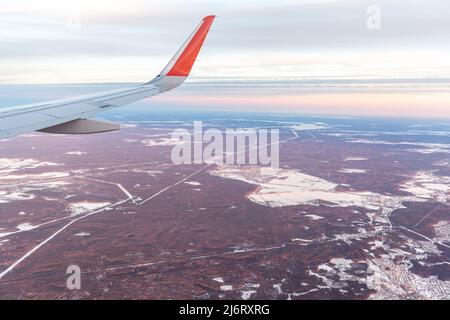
72, 116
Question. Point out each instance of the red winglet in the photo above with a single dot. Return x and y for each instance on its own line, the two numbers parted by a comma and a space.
183, 65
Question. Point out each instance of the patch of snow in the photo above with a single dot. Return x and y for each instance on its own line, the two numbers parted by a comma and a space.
151, 173
9, 165
40, 176
376, 244
422, 147
426, 185
21, 227
277, 286
301, 240
286, 187
395, 281
355, 159
218, 279
352, 170
313, 216
6, 197
226, 287
75, 153
85, 207
25, 227
82, 234
308, 126
442, 231
246, 294
193, 183
162, 142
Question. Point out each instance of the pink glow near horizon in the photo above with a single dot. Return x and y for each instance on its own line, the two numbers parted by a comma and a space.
428, 105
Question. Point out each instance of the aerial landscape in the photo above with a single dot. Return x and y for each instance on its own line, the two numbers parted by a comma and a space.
357, 210
253, 155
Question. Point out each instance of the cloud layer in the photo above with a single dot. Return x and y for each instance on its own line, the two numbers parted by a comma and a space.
90, 41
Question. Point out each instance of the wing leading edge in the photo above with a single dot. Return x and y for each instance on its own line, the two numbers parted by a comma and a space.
71, 116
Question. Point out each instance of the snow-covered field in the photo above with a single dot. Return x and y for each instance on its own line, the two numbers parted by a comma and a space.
348, 170
419, 147
85, 207
282, 187
19, 186
309, 126
10, 165
168, 141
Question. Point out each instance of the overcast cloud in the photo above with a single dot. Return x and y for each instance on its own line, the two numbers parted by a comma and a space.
132, 40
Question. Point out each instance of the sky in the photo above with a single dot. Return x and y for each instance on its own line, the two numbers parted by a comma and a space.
255, 46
